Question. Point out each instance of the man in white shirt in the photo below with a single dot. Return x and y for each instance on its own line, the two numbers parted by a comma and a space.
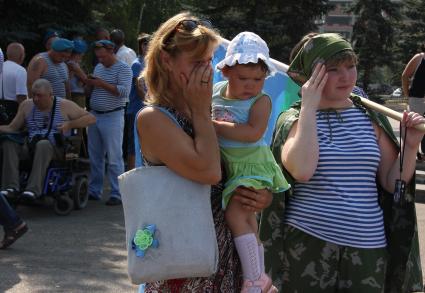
122, 52
13, 83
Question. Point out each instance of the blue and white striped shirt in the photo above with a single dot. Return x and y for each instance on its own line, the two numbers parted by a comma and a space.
339, 203
118, 74
56, 74
38, 122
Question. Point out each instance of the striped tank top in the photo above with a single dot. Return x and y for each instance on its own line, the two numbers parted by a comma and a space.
56, 74
37, 122
339, 203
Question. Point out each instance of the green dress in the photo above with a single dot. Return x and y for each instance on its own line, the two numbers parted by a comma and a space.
246, 164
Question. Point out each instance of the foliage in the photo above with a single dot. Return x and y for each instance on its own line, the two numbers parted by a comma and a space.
373, 35
280, 23
412, 30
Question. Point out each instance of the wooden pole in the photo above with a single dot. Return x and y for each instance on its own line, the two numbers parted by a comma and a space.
387, 112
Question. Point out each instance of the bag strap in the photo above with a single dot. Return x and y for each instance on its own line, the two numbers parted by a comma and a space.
137, 147
52, 116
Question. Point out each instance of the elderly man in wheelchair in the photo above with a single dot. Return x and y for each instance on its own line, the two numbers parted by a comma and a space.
48, 120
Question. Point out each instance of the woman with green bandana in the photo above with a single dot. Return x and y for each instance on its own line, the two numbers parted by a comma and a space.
341, 157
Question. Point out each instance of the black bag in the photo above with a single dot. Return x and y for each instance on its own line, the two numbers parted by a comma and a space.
8, 110
33, 142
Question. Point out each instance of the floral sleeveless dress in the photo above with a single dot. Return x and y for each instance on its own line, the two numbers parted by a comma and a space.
228, 277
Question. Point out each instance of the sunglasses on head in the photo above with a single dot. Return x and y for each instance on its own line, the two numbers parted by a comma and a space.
188, 25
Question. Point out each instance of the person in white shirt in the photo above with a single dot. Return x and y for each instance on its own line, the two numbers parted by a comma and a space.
13, 84
122, 52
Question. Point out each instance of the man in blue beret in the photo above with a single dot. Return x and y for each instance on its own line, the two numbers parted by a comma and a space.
77, 76
110, 87
51, 65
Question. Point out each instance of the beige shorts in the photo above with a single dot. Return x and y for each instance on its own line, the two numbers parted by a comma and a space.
417, 105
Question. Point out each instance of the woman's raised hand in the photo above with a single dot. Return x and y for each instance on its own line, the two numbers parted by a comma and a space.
197, 90
414, 136
311, 91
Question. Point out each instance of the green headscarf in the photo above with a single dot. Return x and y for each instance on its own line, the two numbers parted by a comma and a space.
319, 48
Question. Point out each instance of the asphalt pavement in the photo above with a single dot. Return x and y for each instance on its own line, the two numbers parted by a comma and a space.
81, 252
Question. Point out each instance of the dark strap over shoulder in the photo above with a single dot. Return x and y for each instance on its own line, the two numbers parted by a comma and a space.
52, 116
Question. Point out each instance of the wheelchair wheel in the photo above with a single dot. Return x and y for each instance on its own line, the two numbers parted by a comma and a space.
80, 193
63, 205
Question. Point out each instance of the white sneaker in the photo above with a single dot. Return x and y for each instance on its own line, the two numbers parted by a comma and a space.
28, 194
9, 192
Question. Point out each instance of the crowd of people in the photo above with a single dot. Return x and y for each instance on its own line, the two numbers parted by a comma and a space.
55, 95
338, 155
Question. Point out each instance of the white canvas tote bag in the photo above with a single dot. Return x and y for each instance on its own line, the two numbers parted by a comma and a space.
170, 218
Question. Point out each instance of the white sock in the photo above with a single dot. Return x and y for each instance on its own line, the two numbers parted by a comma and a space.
247, 247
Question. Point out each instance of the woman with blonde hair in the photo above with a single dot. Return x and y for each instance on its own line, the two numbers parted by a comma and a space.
176, 130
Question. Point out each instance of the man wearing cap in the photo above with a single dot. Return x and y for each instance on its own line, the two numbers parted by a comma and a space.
77, 75
100, 34
123, 53
110, 87
51, 65
13, 85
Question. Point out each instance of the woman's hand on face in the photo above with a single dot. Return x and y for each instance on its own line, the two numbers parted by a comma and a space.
311, 91
197, 89
252, 199
414, 136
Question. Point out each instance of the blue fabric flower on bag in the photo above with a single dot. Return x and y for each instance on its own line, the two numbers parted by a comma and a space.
144, 239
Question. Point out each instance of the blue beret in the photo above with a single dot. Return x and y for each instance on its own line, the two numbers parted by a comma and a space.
49, 34
104, 44
61, 45
80, 46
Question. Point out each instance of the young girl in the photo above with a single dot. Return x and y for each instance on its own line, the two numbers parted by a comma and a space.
240, 115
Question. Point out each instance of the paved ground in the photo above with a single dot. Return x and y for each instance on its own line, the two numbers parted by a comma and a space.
82, 252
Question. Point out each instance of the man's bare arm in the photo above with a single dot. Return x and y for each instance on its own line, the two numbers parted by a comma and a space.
36, 69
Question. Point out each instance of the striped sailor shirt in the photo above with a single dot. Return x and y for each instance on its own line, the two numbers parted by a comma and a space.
56, 74
118, 74
339, 203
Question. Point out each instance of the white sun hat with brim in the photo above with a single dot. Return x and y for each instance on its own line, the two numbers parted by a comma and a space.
245, 48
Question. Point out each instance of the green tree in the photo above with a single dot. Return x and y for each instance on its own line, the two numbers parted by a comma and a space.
280, 23
26, 21
412, 29
373, 35
135, 16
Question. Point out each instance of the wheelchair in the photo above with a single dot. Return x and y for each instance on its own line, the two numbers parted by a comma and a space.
65, 185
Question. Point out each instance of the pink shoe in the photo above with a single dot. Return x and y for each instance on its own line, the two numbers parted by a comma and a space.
264, 283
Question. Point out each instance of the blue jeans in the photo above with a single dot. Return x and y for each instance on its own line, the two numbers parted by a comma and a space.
105, 138
8, 217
